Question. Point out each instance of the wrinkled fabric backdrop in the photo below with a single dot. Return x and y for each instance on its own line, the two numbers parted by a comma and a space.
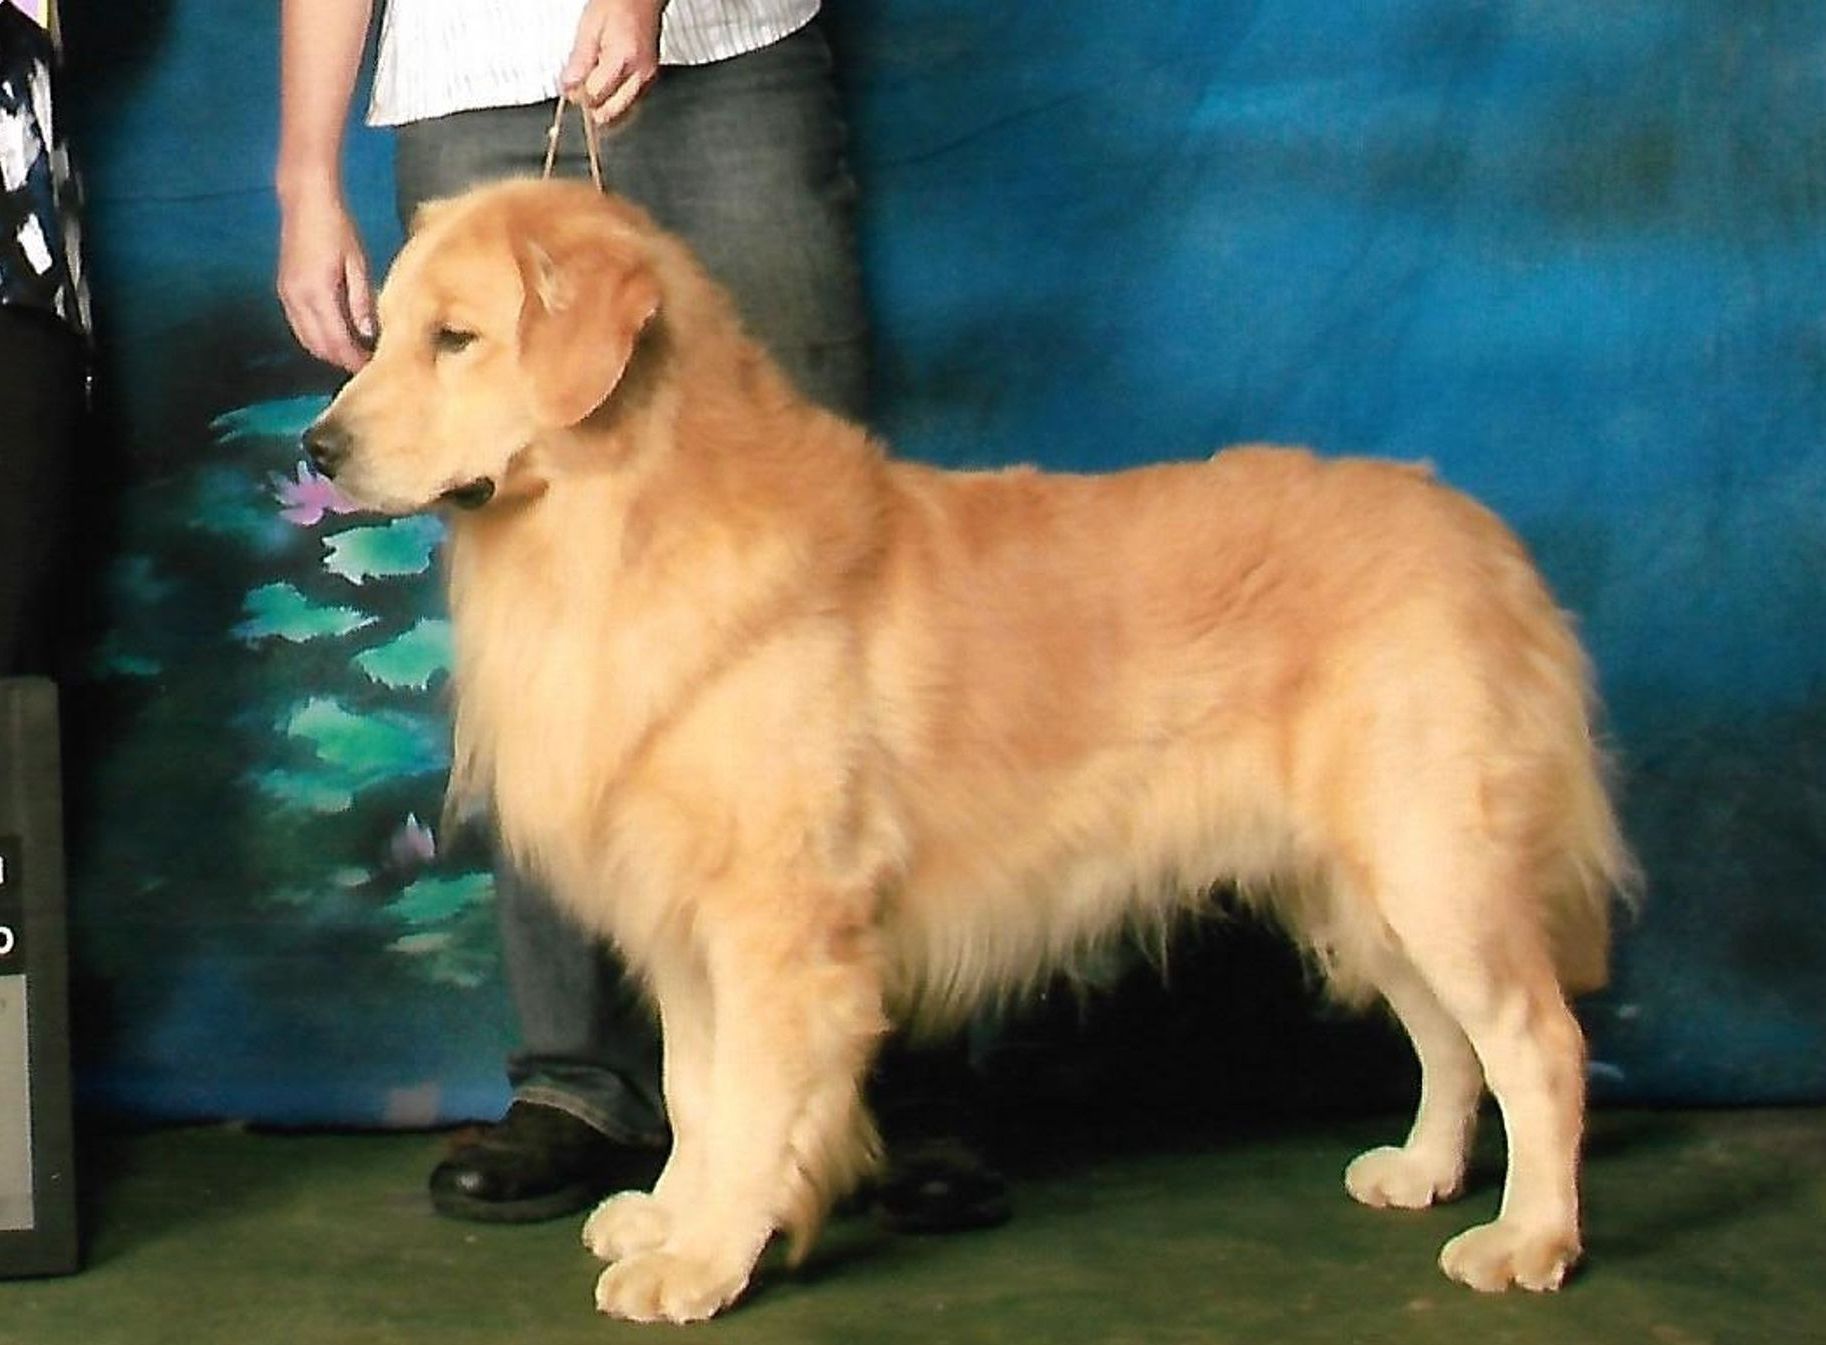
1573, 254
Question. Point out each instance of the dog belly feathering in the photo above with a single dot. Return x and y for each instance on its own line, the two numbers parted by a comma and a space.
1216, 673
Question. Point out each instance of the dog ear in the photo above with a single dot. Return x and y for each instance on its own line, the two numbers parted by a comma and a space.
582, 312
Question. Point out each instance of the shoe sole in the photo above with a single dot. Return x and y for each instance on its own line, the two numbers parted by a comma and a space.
532, 1210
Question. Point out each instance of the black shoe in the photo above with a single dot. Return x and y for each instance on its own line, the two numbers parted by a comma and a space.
537, 1163
942, 1186
937, 1179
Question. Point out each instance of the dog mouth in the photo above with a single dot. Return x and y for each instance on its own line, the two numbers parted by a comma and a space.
470, 495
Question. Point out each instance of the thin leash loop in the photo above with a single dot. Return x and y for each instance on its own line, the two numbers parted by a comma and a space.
589, 140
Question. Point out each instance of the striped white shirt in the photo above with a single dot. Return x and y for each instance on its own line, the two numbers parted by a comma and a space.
441, 56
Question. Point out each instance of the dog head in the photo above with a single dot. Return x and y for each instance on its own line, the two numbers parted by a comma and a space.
511, 313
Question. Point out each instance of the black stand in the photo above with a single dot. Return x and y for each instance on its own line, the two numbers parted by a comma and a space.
37, 1184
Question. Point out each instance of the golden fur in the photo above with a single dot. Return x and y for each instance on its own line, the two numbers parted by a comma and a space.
823, 740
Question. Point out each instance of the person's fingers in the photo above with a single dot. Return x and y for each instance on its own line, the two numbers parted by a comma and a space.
584, 52
603, 80
345, 352
333, 341
361, 298
622, 98
300, 315
613, 59
323, 282
294, 315
315, 312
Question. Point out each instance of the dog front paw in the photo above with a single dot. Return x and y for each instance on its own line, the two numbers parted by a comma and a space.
667, 1287
1496, 1256
1400, 1178
626, 1224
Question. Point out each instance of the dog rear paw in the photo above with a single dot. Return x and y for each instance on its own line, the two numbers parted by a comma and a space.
1398, 1178
1496, 1256
626, 1224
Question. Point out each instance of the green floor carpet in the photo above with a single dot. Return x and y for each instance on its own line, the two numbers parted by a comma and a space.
1702, 1228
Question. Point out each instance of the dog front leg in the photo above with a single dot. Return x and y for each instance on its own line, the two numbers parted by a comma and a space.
631, 1222
794, 1025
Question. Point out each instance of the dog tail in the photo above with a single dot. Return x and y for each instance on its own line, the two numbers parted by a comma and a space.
1598, 873
1590, 872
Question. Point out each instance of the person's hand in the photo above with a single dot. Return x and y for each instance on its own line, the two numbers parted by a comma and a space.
323, 279
615, 56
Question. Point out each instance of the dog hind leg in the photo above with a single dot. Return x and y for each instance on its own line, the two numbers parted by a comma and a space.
1479, 947
1430, 1165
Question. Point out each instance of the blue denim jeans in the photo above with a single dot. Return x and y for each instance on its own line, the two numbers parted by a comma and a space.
744, 159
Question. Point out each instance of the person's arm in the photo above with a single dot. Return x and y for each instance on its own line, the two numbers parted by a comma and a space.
323, 272
615, 56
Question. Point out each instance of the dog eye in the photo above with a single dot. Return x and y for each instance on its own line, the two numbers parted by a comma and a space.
450, 340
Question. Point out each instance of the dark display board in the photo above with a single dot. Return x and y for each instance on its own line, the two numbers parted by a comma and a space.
37, 1185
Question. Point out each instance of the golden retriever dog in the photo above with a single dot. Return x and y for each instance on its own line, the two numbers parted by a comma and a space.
823, 741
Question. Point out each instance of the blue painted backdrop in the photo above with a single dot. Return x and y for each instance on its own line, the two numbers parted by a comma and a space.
1574, 254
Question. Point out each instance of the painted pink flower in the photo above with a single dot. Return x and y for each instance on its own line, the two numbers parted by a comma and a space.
308, 498
413, 845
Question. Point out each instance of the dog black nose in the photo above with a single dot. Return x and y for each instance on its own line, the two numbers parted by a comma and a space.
327, 445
